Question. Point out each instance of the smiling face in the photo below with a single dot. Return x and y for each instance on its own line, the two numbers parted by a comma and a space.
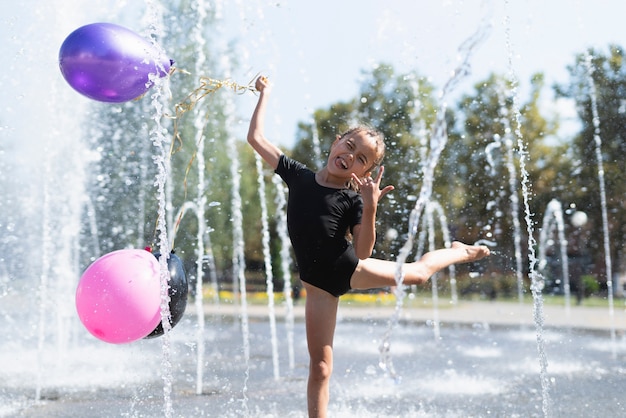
356, 152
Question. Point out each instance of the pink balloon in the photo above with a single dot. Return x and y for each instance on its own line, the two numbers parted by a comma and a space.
118, 298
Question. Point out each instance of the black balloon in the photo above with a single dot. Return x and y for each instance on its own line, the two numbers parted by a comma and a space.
177, 292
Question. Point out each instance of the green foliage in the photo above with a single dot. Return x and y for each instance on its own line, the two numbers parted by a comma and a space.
590, 285
580, 185
482, 160
469, 286
488, 287
117, 179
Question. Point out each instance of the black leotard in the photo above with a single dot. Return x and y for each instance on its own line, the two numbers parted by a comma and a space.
318, 218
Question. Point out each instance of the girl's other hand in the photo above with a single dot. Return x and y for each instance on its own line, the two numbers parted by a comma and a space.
370, 188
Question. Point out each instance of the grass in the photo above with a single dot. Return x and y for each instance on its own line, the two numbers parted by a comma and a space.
420, 300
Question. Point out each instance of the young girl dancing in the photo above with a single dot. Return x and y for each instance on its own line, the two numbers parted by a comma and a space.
322, 207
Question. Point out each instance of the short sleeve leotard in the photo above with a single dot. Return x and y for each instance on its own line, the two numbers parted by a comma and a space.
318, 218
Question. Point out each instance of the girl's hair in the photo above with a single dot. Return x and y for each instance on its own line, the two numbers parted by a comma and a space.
380, 147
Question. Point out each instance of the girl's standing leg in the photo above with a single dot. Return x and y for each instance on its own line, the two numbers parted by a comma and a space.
320, 319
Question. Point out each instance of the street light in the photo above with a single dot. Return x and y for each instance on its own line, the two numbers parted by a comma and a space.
578, 219
577, 253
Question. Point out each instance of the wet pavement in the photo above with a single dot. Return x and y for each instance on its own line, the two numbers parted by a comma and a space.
484, 363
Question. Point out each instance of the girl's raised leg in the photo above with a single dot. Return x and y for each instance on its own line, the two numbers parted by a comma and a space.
374, 273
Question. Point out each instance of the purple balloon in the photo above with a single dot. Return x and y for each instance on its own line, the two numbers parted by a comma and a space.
110, 63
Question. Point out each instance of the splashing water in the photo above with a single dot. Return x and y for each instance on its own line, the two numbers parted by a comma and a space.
537, 281
43, 282
428, 231
509, 145
447, 242
438, 140
62, 200
199, 43
554, 215
159, 141
605, 220
285, 257
430, 207
238, 258
315, 138
267, 258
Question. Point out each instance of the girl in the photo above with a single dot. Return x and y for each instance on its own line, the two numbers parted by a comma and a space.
322, 207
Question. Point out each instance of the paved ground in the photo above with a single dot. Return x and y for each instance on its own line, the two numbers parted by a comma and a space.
488, 370
465, 312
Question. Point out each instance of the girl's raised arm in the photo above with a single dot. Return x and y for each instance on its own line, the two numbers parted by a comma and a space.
256, 137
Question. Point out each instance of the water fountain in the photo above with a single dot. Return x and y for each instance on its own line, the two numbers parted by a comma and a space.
552, 219
597, 139
477, 366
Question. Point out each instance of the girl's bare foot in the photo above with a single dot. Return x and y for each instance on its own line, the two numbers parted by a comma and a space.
472, 252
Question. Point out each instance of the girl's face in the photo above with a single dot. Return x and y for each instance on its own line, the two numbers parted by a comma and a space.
354, 153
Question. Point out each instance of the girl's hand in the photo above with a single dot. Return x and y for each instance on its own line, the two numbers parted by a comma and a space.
262, 84
370, 188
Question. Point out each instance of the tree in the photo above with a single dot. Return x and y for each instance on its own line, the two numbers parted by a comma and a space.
481, 166
581, 184
118, 179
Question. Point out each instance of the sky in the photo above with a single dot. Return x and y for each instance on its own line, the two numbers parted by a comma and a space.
315, 51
